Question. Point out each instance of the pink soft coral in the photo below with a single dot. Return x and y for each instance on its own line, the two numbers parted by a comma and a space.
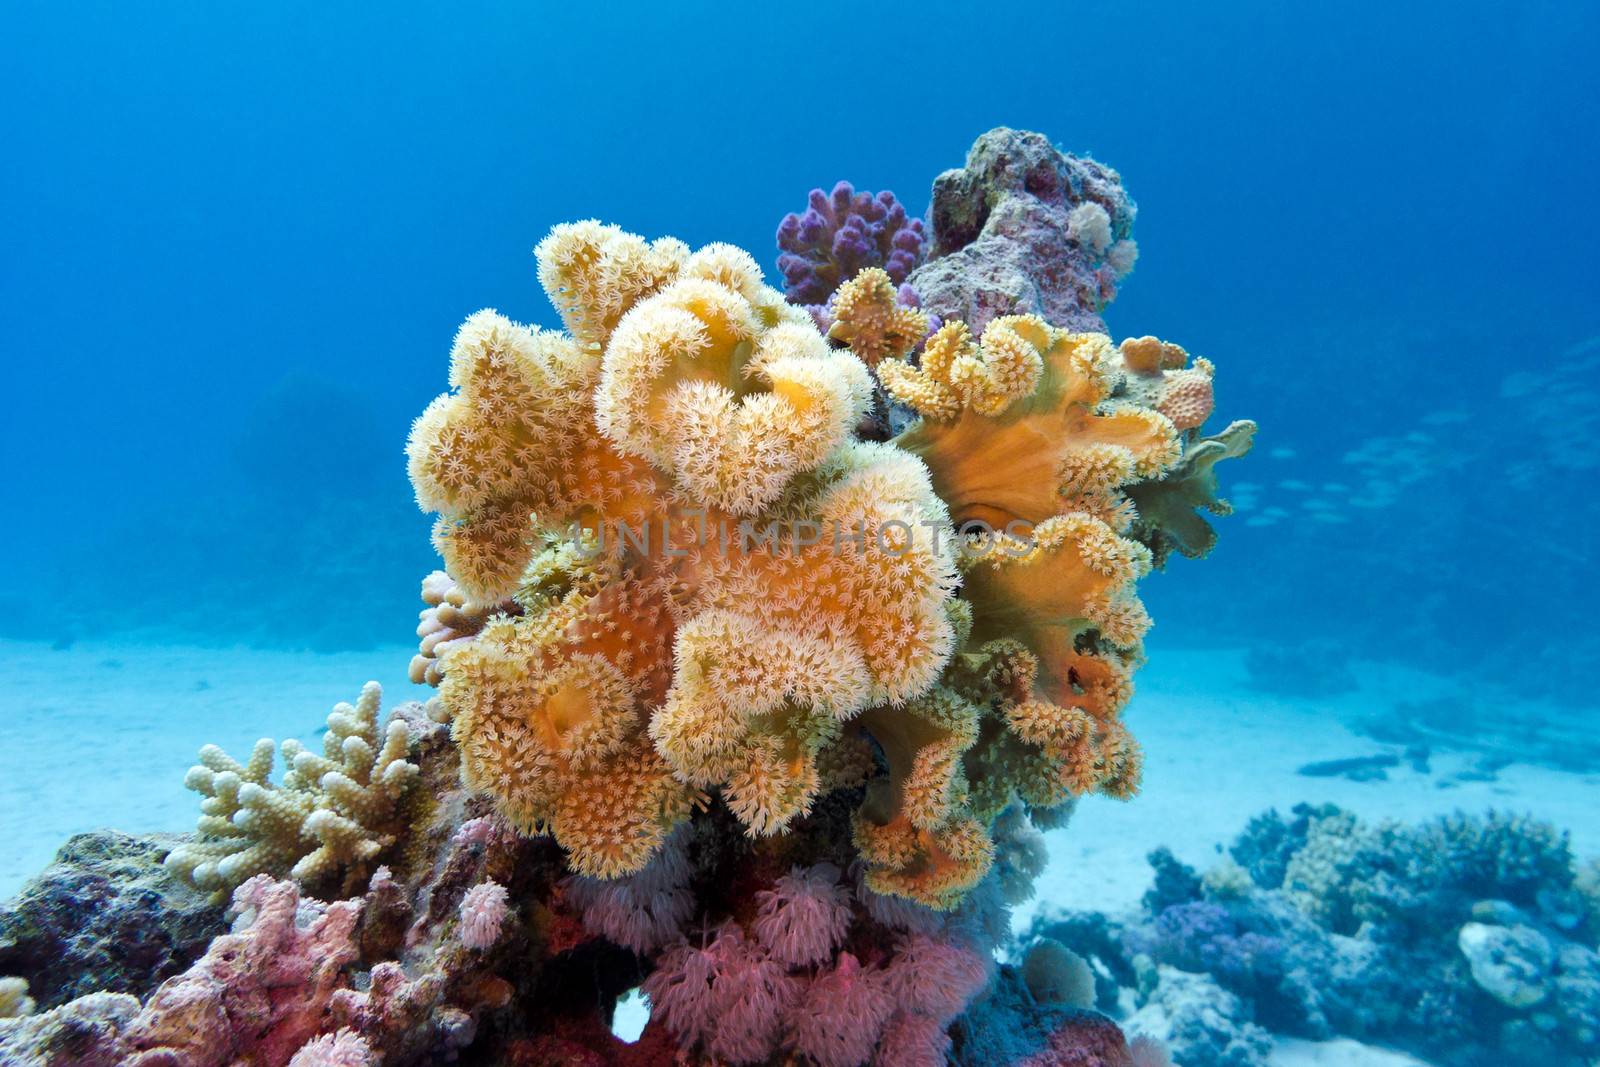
642, 911
483, 910
727, 997
839, 1017
259, 994
911, 1040
804, 916
936, 977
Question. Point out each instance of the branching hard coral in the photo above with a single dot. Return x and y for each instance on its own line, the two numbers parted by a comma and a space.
870, 320
841, 234
757, 578
334, 814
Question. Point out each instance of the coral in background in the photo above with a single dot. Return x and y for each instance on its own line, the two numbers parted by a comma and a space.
841, 234
1026, 229
1465, 940
332, 817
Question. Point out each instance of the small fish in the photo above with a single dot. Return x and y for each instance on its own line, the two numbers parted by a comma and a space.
1282, 453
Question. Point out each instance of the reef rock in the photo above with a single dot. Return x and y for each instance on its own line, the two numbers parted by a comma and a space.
1202, 1024
1510, 963
1026, 229
105, 915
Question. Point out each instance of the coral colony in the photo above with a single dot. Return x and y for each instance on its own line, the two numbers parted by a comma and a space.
763, 652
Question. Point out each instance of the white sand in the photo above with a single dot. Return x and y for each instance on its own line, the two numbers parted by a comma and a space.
100, 734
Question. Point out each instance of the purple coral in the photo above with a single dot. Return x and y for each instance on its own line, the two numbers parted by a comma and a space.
841, 233
1202, 936
804, 915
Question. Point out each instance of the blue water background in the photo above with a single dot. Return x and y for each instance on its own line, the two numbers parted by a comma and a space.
237, 239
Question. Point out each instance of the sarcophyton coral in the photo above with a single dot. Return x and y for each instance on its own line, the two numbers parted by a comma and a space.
1024, 444
753, 577
1158, 374
715, 587
333, 816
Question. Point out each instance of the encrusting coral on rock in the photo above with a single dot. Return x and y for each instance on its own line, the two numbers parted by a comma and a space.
762, 656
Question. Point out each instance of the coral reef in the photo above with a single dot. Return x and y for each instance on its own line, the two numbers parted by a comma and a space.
754, 690
1026, 229
1466, 940
841, 234
331, 818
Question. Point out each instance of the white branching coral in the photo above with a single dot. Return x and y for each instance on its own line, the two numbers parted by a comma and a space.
333, 815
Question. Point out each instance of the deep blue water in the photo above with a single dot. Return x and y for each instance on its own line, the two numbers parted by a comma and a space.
237, 240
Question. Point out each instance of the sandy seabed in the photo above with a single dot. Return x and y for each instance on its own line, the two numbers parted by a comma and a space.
101, 733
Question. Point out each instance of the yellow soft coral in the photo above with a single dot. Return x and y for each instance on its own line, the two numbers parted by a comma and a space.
334, 814
706, 585
760, 577
870, 320
1023, 426
1033, 451
916, 831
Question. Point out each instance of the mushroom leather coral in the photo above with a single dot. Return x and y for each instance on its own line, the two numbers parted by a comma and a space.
1021, 434
758, 577
637, 488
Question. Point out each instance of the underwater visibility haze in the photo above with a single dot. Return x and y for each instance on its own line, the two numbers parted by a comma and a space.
832, 535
